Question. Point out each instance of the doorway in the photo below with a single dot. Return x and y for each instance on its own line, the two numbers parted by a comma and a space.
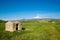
16, 26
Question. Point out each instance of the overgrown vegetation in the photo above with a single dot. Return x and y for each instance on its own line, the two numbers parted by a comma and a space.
34, 30
2, 25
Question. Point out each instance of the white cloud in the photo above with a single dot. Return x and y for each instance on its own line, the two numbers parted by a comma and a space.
37, 16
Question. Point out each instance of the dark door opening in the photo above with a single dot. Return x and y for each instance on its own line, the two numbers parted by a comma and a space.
16, 26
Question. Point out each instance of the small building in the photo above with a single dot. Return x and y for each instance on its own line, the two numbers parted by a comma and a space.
13, 26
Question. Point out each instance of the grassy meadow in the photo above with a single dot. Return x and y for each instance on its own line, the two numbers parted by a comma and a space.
34, 30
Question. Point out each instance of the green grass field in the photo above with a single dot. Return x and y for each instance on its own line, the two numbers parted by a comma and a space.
34, 30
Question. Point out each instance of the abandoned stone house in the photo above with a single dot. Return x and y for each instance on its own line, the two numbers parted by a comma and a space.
13, 26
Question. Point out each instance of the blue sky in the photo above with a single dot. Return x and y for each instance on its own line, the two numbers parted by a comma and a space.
29, 9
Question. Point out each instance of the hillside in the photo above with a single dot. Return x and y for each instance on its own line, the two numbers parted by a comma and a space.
34, 30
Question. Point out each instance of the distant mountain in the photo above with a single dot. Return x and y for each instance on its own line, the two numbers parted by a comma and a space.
38, 19
2, 21
35, 19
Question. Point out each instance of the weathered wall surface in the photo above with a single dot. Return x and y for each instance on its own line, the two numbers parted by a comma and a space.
11, 26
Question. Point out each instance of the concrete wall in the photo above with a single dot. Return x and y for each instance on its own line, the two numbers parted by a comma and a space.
11, 26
